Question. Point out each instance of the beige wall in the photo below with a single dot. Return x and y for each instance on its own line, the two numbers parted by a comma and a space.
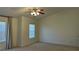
14, 32
61, 28
23, 33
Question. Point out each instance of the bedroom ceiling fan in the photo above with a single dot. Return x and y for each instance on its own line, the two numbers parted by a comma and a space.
36, 11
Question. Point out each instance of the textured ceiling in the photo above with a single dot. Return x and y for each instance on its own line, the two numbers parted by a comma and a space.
18, 11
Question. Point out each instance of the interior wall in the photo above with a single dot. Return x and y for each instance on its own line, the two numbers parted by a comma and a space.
23, 34
14, 32
20, 31
61, 28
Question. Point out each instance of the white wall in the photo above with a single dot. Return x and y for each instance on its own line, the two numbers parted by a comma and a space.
61, 28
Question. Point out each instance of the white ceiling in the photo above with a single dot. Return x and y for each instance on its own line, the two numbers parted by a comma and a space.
11, 11
17, 11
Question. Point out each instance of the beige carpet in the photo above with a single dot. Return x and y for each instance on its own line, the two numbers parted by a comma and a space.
2, 45
45, 47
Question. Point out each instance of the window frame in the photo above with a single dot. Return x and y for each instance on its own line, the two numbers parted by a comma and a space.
29, 31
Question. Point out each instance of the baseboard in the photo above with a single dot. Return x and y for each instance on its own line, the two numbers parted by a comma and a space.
59, 44
30, 44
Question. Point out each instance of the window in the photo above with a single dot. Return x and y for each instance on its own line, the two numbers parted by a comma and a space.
31, 31
2, 31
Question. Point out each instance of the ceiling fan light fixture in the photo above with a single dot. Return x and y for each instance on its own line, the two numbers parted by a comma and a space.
33, 14
36, 11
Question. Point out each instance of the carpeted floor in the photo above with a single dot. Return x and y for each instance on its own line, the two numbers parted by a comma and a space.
2, 45
45, 47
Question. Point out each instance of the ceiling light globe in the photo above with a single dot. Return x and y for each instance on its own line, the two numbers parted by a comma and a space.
37, 13
31, 13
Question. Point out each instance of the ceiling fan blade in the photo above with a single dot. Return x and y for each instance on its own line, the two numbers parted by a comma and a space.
41, 9
41, 13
